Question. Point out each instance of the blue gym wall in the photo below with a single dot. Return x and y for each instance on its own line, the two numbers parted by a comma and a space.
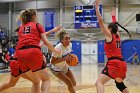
100, 51
76, 47
127, 50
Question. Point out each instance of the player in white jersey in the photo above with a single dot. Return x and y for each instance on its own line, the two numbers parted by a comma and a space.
59, 67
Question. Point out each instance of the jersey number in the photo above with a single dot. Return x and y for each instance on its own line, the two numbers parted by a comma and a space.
118, 44
26, 30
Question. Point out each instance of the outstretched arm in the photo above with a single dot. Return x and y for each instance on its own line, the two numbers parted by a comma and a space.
114, 20
113, 14
56, 29
104, 29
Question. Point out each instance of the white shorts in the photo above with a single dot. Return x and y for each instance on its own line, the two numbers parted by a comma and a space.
55, 70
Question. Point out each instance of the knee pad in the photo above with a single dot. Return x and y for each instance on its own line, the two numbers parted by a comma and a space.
120, 86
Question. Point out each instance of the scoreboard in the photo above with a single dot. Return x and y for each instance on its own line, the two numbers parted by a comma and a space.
85, 17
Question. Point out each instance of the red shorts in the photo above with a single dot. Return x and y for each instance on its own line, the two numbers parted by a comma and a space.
30, 59
115, 68
15, 68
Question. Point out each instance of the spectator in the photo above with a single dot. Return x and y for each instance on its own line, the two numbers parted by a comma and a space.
11, 50
3, 59
7, 56
135, 57
2, 34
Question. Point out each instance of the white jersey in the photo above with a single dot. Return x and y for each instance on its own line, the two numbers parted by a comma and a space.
63, 52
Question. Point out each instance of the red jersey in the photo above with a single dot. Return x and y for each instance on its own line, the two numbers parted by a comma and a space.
29, 34
113, 48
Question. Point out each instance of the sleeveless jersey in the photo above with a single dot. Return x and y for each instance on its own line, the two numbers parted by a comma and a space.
113, 48
64, 51
29, 34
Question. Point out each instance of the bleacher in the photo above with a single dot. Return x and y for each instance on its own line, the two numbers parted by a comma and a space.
4, 47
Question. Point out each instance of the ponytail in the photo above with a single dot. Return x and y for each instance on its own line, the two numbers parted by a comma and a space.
123, 28
27, 15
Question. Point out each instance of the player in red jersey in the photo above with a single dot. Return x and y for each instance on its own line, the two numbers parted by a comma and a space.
116, 66
28, 50
16, 72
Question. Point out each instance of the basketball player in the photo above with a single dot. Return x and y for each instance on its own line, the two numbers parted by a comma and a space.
28, 50
15, 76
116, 66
59, 66
16, 72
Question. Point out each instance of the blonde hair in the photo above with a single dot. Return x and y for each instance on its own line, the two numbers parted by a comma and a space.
26, 15
61, 34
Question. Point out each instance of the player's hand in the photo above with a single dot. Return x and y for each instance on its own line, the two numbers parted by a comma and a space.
97, 3
68, 58
113, 13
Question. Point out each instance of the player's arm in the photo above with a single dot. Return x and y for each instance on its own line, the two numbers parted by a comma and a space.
104, 29
45, 40
56, 29
56, 60
114, 20
48, 44
44, 59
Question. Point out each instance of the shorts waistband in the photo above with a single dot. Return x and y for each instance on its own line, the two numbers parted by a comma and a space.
30, 46
115, 58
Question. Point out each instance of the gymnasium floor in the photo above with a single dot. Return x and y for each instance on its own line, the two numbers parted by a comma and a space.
86, 75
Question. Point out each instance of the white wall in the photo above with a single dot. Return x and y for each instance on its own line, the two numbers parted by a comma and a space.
4, 20
89, 52
18, 6
125, 11
127, 16
37, 4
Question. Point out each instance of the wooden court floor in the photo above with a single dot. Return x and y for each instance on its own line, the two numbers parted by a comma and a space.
86, 75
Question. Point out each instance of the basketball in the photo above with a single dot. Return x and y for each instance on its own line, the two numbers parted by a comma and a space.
73, 61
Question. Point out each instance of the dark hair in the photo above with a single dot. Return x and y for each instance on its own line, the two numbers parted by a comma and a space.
123, 28
114, 28
27, 15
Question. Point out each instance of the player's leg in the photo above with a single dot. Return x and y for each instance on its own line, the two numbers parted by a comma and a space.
35, 63
34, 85
120, 85
67, 81
14, 77
10, 83
44, 76
71, 76
34, 79
102, 79
121, 75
